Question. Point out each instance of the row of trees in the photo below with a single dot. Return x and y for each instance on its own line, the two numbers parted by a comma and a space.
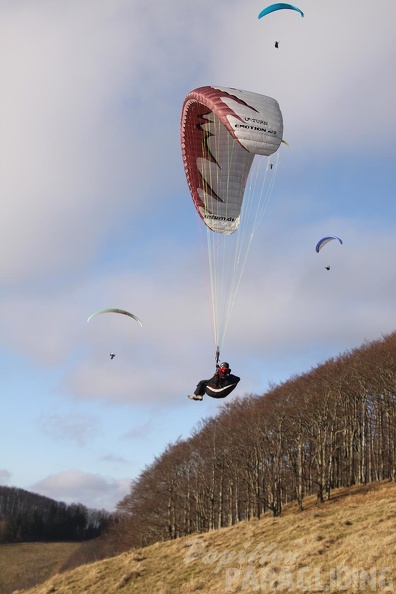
330, 427
26, 516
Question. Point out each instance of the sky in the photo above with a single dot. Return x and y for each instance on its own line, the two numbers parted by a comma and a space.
96, 213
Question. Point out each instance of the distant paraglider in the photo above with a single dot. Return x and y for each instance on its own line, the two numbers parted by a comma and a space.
118, 311
322, 242
278, 6
275, 7
114, 310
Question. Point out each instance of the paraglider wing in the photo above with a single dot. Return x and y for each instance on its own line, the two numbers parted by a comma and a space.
221, 131
325, 240
114, 310
278, 6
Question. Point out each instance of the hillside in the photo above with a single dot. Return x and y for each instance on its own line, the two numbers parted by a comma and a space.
331, 427
23, 565
346, 544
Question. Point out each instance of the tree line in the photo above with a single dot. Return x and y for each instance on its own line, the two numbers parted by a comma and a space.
334, 426
29, 517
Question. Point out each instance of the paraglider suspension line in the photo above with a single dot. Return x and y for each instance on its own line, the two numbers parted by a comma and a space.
217, 356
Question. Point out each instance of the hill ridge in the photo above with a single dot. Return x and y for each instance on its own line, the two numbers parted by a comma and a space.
347, 544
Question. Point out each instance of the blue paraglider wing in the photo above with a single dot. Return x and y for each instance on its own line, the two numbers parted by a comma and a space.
279, 6
325, 240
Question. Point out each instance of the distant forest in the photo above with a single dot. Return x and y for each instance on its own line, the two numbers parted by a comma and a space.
333, 426
28, 517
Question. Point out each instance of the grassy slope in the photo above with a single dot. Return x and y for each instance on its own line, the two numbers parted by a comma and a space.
347, 544
24, 565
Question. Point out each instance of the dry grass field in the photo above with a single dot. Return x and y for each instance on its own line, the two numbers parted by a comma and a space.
27, 564
347, 544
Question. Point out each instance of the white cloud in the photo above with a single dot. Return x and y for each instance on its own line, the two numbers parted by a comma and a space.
74, 427
114, 459
90, 489
331, 73
71, 142
5, 476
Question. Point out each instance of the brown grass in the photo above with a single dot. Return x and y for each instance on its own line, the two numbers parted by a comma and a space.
347, 544
27, 564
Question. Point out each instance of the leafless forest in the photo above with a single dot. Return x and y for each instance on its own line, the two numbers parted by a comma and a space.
334, 426
29, 517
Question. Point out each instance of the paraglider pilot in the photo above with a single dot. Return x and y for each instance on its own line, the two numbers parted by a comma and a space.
219, 386
277, 44
112, 355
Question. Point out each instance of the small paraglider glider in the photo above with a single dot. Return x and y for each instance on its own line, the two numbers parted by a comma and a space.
322, 242
114, 310
278, 6
118, 311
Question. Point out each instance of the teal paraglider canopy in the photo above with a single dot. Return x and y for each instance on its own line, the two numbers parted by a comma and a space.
279, 6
